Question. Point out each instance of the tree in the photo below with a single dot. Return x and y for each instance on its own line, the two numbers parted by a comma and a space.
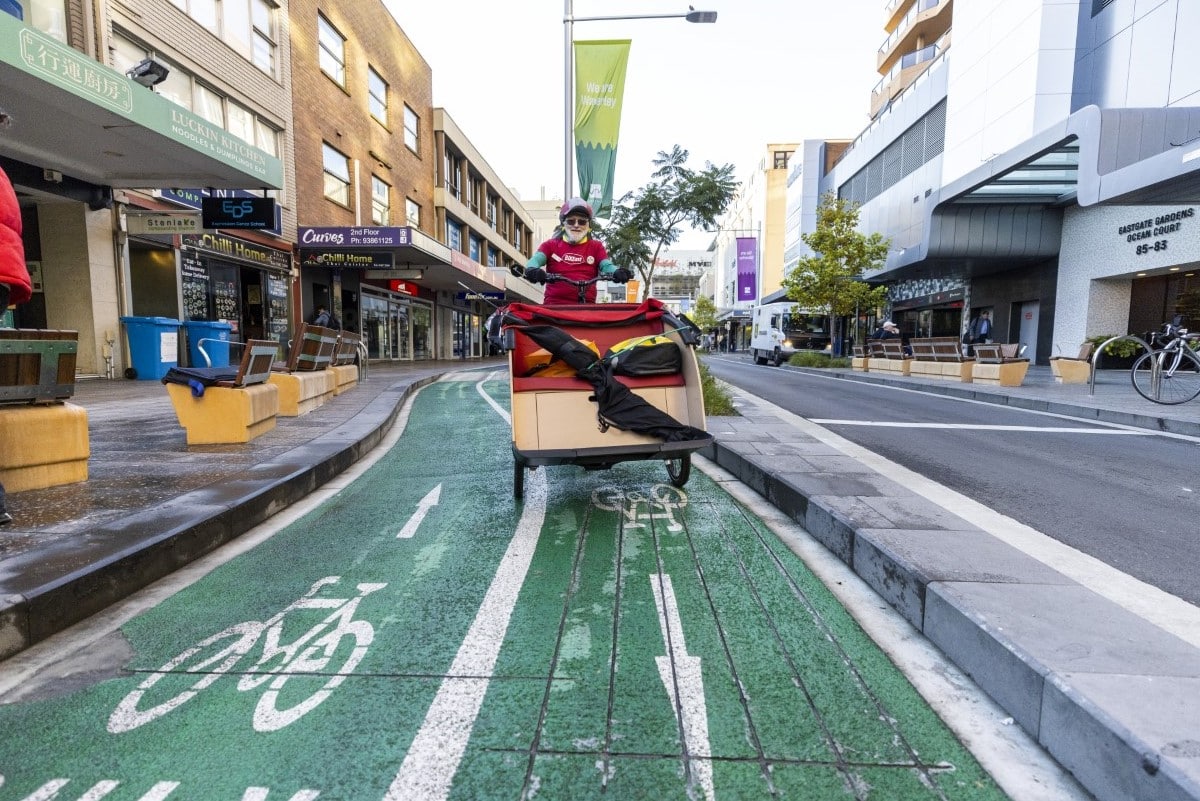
704, 314
827, 280
651, 218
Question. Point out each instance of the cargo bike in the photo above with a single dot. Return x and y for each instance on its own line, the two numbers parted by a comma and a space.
597, 384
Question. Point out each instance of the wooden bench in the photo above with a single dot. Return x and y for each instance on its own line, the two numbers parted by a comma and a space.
344, 364
230, 411
43, 438
891, 357
1073, 369
303, 381
862, 355
999, 364
940, 357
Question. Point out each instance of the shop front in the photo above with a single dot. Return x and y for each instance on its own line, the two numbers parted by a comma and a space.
936, 314
409, 296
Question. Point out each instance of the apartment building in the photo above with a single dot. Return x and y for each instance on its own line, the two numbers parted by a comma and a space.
1042, 168
405, 231
107, 107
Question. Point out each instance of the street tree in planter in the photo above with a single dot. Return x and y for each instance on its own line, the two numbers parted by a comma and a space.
827, 281
654, 217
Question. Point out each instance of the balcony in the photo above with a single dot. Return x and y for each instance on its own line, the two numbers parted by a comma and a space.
926, 21
909, 67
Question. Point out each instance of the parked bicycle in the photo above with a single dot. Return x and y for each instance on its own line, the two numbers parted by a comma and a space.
1171, 373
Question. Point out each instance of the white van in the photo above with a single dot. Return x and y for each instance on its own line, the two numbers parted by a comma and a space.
780, 329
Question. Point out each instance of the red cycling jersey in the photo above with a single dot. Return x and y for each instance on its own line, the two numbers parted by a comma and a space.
577, 262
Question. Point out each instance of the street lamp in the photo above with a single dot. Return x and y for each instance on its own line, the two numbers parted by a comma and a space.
569, 20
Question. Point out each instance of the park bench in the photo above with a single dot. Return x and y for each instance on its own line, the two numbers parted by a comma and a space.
345, 362
43, 438
999, 364
862, 355
940, 357
303, 381
215, 407
888, 356
1073, 369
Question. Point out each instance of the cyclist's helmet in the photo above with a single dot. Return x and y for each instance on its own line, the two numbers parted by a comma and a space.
575, 205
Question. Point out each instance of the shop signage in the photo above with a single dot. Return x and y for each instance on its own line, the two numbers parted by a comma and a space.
237, 212
357, 237
407, 287
162, 222
361, 259
192, 198
1152, 234
479, 296
238, 249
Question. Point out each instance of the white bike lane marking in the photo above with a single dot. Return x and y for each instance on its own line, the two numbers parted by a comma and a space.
414, 522
435, 753
679, 669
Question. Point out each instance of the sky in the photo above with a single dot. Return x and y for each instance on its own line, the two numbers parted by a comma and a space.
766, 72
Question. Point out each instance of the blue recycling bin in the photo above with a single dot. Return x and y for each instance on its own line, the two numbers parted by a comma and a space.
153, 346
215, 344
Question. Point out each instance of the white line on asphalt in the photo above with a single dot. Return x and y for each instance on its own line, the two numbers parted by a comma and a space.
678, 668
1148, 602
428, 502
1018, 763
982, 427
433, 758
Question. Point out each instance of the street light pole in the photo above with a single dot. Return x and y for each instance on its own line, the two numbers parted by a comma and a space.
569, 20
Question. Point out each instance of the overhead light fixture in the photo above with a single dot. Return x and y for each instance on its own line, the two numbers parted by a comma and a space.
149, 72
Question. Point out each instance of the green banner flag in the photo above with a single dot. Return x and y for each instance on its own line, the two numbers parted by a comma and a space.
599, 86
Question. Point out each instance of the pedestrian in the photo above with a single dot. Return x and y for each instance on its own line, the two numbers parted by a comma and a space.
15, 286
980, 329
573, 253
326, 319
886, 330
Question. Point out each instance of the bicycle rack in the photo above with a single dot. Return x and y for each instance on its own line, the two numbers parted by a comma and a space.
1100, 352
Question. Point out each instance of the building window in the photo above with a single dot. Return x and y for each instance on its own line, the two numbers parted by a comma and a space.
781, 159
377, 91
48, 16
493, 257
381, 205
474, 248
337, 174
454, 235
332, 55
247, 26
453, 169
412, 129
491, 211
412, 212
1098, 6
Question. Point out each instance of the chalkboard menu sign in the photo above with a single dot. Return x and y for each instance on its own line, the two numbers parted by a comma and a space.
277, 308
195, 288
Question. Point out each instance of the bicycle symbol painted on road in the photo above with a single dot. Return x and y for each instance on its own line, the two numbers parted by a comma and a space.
639, 508
307, 656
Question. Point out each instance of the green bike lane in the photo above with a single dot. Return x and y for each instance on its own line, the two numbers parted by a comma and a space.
421, 635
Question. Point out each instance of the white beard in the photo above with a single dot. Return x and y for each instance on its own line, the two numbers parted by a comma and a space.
574, 239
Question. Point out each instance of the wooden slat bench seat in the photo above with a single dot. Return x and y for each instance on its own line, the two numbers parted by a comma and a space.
940, 357
891, 358
999, 364
231, 411
345, 358
1073, 369
303, 381
43, 439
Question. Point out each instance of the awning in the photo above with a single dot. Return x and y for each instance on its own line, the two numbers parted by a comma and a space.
79, 117
401, 252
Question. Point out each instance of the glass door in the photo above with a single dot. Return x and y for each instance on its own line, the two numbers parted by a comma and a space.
422, 332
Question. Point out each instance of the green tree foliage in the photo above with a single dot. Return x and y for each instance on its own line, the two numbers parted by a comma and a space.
704, 313
646, 221
825, 280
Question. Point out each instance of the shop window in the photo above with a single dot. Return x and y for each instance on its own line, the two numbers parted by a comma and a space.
337, 175
377, 91
332, 56
381, 207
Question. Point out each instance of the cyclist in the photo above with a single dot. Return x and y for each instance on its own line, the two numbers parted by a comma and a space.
573, 253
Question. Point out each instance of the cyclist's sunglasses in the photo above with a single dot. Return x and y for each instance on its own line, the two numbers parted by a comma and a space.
576, 221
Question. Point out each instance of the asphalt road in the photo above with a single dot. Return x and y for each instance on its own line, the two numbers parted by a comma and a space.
1125, 496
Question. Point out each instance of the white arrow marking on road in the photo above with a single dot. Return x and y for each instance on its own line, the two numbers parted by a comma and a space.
429, 501
678, 669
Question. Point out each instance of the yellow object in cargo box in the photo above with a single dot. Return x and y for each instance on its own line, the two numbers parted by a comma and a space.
541, 364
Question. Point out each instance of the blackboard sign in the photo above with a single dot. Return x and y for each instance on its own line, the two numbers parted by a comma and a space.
195, 288
277, 307
237, 212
